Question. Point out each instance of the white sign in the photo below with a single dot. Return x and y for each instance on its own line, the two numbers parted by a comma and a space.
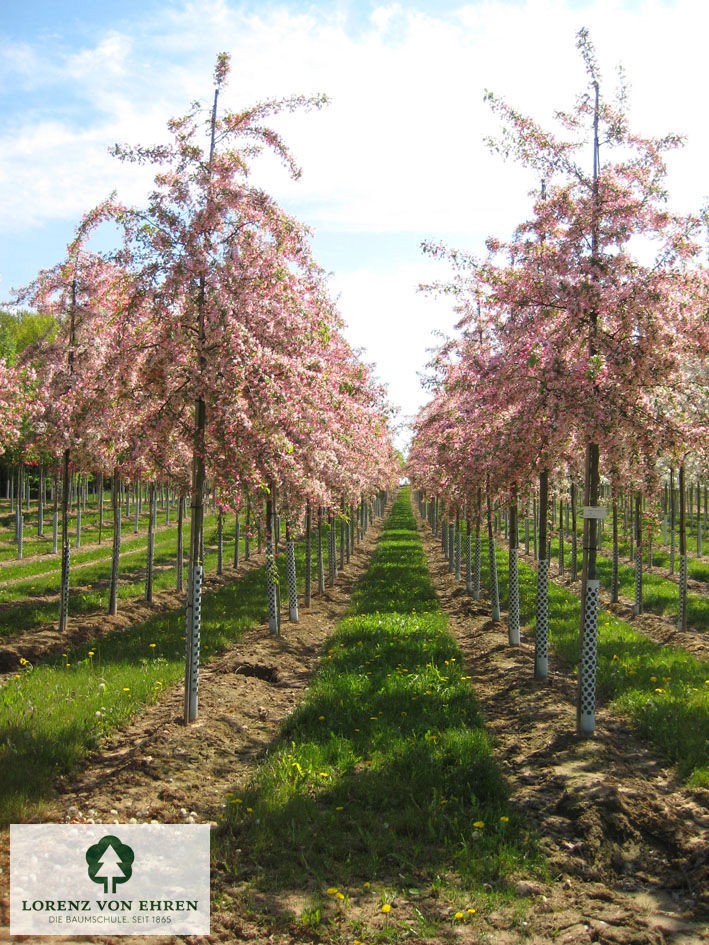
594, 511
109, 879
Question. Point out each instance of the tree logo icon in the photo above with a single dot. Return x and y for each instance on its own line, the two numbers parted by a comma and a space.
110, 862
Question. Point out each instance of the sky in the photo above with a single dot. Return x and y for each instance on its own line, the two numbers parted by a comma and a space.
396, 158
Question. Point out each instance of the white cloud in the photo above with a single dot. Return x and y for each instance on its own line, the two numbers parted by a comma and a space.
388, 316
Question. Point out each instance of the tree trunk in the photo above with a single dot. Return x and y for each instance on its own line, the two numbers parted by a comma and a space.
151, 548
590, 593
478, 555
220, 542
66, 551
308, 558
55, 511
179, 564
492, 560
513, 606
638, 605
115, 557
672, 522
321, 563
271, 572
237, 537
292, 577
682, 618
40, 502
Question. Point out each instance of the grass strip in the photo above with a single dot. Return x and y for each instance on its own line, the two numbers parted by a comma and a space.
663, 689
385, 772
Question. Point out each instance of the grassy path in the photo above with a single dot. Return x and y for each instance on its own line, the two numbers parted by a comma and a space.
383, 778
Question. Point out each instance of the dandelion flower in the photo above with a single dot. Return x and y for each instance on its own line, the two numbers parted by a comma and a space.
367, 885
386, 908
339, 896
471, 911
458, 915
653, 679
339, 808
125, 688
153, 645
479, 824
321, 718
332, 891
505, 820
91, 652
23, 661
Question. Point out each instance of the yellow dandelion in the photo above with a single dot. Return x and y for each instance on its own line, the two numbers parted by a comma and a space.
91, 652
237, 800
125, 688
367, 885
386, 908
471, 911
153, 645
332, 891
653, 679
458, 915
249, 810
339, 808
479, 824
505, 820
321, 718
23, 661
339, 896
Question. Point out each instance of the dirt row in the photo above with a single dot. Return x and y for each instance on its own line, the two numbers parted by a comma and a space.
627, 842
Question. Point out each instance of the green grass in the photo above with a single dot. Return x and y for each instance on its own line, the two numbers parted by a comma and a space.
631, 670
89, 586
33, 545
660, 595
53, 713
381, 774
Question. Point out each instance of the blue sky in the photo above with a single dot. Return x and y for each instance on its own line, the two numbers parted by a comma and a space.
397, 157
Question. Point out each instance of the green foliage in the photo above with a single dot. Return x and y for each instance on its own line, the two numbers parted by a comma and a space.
19, 330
